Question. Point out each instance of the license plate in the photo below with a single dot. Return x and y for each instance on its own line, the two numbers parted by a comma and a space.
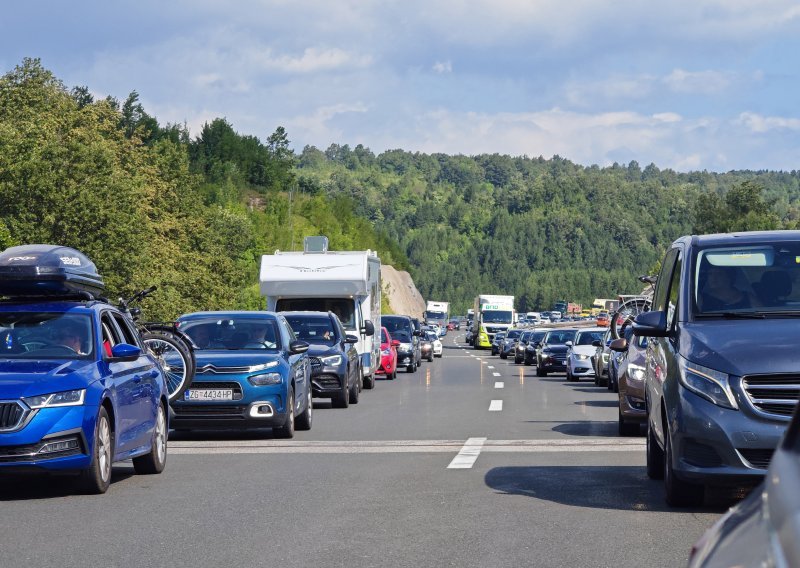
208, 394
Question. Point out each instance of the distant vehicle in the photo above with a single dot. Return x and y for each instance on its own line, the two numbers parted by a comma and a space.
493, 313
437, 313
79, 390
721, 364
438, 349
509, 344
603, 319
762, 530
580, 353
252, 372
499, 337
555, 316
335, 364
426, 344
553, 353
346, 283
389, 345
519, 348
401, 328
601, 358
534, 345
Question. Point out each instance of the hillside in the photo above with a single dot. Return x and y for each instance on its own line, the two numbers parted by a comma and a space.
402, 294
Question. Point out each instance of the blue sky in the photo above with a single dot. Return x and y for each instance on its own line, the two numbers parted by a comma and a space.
685, 84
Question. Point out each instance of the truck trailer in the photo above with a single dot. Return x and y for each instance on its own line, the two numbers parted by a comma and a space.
347, 283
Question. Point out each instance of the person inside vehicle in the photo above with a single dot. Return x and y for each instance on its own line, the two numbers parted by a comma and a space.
719, 293
201, 336
71, 336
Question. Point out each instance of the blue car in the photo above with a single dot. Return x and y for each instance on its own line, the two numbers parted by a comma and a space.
252, 372
77, 390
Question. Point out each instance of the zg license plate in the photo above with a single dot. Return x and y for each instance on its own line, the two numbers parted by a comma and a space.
208, 394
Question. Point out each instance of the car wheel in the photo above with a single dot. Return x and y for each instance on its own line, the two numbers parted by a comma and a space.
430, 358
596, 380
154, 460
678, 493
342, 398
287, 430
97, 478
528, 362
305, 419
354, 394
539, 372
655, 456
627, 428
569, 376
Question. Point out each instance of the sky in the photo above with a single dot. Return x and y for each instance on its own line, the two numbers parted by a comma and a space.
684, 84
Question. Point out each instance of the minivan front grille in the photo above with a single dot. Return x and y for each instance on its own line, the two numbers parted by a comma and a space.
759, 458
775, 395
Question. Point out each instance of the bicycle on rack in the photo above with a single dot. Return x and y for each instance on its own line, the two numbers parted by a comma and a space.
630, 307
172, 349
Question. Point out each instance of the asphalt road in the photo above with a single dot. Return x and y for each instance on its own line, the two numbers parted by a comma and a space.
470, 461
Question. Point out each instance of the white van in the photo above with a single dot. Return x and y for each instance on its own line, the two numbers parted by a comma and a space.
347, 283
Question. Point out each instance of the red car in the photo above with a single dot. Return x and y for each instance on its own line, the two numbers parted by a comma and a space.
388, 366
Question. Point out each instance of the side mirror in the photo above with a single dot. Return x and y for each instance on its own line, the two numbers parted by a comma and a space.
650, 324
596, 343
568, 344
368, 329
350, 338
395, 342
297, 346
620, 345
125, 352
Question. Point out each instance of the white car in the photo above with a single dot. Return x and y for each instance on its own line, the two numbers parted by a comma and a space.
437, 348
579, 354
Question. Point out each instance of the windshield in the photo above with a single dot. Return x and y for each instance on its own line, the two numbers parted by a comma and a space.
45, 335
759, 278
431, 336
344, 308
231, 332
395, 324
384, 337
313, 329
559, 337
436, 315
514, 333
401, 336
588, 337
537, 336
496, 316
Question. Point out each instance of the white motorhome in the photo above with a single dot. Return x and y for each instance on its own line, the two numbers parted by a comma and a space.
347, 283
437, 313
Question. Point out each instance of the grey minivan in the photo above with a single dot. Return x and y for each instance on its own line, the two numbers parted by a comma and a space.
721, 371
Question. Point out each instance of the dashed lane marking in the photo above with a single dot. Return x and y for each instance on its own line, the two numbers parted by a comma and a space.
499, 385
496, 406
468, 454
496, 375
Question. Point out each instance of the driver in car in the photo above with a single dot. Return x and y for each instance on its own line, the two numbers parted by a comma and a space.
71, 336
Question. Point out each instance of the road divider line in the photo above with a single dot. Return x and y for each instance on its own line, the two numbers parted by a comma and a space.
499, 385
490, 367
496, 375
465, 459
496, 406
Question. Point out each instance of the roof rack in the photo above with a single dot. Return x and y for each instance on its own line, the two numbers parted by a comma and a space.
75, 296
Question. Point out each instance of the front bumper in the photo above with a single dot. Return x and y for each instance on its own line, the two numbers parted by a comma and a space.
405, 358
551, 364
258, 407
580, 367
388, 365
719, 445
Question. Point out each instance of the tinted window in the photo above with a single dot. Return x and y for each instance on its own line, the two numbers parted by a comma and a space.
313, 329
588, 337
514, 333
344, 308
45, 335
232, 332
494, 316
559, 337
394, 324
662, 284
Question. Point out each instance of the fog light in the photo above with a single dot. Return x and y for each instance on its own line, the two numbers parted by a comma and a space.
59, 446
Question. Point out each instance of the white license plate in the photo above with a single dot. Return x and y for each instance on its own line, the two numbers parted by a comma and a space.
208, 394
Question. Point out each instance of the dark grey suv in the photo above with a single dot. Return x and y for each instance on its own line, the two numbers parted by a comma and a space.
721, 370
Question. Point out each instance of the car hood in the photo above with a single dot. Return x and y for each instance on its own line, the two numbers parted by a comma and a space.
20, 378
321, 350
742, 347
212, 362
555, 348
584, 349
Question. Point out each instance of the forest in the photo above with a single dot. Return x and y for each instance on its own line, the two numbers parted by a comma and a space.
152, 204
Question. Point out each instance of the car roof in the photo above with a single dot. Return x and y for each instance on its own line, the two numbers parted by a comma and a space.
243, 314
306, 314
747, 237
54, 305
603, 329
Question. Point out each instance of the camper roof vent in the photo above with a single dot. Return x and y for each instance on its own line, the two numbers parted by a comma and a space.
315, 244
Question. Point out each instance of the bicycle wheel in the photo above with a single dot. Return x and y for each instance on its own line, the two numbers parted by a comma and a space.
626, 313
175, 360
171, 331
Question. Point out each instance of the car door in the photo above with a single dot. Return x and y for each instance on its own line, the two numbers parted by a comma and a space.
351, 352
661, 352
298, 363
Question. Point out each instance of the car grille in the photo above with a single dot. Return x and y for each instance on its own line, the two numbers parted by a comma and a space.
776, 395
212, 369
759, 458
209, 412
326, 382
316, 364
11, 414
233, 385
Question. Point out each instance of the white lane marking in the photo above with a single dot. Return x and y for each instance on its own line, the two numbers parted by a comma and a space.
499, 385
490, 367
468, 454
496, 374
203, 447
496, 406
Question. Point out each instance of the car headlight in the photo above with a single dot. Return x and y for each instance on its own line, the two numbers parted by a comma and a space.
66, 398
331, 360
712, 385
405, 346
635, 372
581, 357
605, 357
265, 379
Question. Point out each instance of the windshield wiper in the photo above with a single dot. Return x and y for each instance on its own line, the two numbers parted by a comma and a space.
732, 315
791, 313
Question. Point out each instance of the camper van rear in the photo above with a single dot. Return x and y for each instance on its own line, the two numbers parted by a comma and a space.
346, 283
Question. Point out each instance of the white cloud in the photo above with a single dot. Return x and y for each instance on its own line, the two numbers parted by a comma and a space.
762, 124
316, 126
698, 82
312, 60
441, 67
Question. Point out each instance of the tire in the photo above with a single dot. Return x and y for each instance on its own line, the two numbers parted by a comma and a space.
430, 358
503, 355
393, 376
655, 456
528, 362
627, 428
175, 360
304, 420
287, 430
342, 398
570, 378
153, 462
679, 493
539, 372
354, 393
369, 381
97, 478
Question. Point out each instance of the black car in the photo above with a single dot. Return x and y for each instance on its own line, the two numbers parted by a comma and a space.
335, 371
509, 344
401, 328
532, 348
519, 348
552, 357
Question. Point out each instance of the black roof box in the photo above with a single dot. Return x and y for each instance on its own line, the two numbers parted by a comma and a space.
47, 270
